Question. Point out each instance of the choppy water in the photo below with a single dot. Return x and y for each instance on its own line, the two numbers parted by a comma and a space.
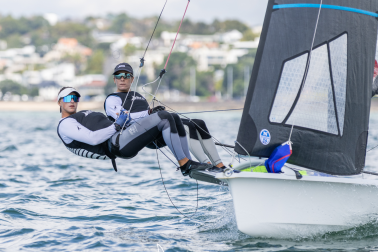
51, 199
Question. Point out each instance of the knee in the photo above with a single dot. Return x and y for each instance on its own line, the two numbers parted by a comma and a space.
176, 117
202, 128
164, 115
200, 123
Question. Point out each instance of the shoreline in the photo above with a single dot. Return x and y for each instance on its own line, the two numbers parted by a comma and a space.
99, 106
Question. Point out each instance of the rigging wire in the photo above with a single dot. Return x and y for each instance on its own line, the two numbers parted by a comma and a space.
166, 63
308, 61
161, 175
140, 67
372, 148
216, 140
153, 32
209, 111
163, 71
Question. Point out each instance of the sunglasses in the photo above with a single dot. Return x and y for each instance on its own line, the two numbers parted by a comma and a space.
126, 76
68, 98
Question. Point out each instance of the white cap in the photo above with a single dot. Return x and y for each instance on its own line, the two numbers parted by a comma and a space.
66, 92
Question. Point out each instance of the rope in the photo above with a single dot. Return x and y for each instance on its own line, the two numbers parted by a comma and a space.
162, 72
216, 140
141, 65
308, 60
372, 148
250, 162
209, 111
154, 30
166, 63
165, 188
161, 175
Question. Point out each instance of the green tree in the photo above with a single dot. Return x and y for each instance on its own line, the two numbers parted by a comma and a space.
72, 30
228, 25
129, 49
178, 75
119, 22
13, 87
249, 35
238, 73
96, 62
14, 41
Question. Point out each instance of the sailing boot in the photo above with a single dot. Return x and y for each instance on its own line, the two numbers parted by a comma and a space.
215, 169
193, 165
221, 169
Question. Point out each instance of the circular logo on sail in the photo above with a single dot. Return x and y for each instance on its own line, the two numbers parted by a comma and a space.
265, 137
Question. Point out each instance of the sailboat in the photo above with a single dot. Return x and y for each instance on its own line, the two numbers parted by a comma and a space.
312, 84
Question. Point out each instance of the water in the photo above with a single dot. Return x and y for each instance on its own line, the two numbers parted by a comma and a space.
54, 200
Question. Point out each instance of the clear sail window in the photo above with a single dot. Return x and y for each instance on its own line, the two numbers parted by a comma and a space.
339, 51
315, 108
290, 82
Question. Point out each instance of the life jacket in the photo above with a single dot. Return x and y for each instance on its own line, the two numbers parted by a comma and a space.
92, 121
140, 103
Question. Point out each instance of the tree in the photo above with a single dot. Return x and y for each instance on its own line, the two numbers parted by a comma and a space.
249, 35
12, 87
178, 75
96, 62
119, 22
129, 49
239, 74
73, 30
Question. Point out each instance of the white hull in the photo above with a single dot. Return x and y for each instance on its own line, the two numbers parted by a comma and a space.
279, 205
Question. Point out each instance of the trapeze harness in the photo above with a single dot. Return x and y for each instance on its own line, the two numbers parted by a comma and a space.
85, 134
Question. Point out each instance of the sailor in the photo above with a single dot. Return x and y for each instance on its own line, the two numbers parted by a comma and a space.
92, 135
194, 132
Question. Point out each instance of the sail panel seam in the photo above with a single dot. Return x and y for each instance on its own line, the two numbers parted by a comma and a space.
326, 6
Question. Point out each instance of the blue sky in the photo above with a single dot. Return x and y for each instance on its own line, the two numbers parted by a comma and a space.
249, 11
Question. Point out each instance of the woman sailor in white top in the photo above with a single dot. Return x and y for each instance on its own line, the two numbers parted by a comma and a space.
194, 132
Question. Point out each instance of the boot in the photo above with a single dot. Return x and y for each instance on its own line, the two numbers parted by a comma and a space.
193, 165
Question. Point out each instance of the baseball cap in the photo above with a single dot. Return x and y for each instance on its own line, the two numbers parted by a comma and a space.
123, 67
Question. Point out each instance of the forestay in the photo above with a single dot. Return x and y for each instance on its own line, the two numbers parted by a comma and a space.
330, 108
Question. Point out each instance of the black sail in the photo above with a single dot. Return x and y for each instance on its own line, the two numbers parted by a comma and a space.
330, 108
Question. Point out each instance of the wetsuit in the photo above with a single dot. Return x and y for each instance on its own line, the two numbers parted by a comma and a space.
144, 130
200, 139
200, 142
86, 134
92, 135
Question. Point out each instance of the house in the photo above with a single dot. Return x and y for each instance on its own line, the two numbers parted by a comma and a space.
67, 46
48, 90
92, 90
